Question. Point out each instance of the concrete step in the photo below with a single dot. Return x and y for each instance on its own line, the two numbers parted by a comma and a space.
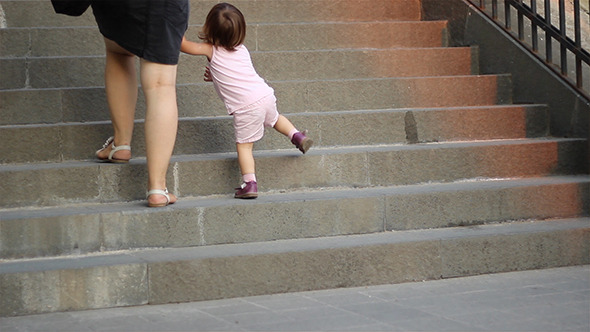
71, 72
336, 35
92, 228
40, 13
358, 166
87, 41
349, 63
78, 141
234, 270
29, 106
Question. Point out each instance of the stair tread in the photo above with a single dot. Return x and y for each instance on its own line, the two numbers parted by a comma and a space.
326, 150
150, 256
278, 196
304, 114
310, 80
281, 52
46, 41
39, 13
272, 65
254, 24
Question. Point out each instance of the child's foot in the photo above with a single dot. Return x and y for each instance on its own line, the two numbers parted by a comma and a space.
247, 190
301, 141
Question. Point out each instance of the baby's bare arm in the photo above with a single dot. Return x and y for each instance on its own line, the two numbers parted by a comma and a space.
193, 48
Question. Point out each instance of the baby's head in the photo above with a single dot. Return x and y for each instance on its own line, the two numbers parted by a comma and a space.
225, 26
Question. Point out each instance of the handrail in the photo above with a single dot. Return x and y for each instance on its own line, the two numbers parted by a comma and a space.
551, 33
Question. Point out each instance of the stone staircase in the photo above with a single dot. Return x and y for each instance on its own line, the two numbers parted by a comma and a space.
422, 168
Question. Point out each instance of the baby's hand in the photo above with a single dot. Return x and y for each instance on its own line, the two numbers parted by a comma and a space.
207, 76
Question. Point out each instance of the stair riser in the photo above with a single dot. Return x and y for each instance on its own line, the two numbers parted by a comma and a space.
209, 175
206, 278
67, 72
37, 13
356, 267
380, 35
80, 105
399, 167
80, 41
257, 221
51, 42
343, 64
476, 124
317, 10
464, 208
210, 135
80, 289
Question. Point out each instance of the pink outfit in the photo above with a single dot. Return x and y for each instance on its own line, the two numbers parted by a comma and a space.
249, 122
235, 79
245, 94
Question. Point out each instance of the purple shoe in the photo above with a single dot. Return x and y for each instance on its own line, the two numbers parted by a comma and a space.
247, 190
302, 142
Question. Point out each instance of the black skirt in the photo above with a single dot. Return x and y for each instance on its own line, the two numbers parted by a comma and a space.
150, 29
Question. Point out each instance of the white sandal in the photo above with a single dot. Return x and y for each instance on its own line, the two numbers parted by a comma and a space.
111, 140
158, 192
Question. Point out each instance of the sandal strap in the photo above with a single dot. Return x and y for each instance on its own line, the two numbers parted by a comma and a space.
109, 141
106, 144
159, 192
118, 148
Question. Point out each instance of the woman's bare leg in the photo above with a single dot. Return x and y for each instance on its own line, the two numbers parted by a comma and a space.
121, 90
161, 122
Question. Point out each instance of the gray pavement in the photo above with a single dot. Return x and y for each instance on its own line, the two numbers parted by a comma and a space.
539, 300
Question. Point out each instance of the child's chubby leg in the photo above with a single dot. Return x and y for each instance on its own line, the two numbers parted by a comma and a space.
248, 126
281, 124
299, 139
246, 158
249, 188
285, 127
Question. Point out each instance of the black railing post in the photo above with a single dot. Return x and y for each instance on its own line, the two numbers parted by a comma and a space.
534, 34
559, 34
507, 18
495, 9
548, 44
563, 32
578, 42
520, 23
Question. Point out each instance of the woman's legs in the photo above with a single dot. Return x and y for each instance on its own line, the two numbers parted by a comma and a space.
161, 121
121, 90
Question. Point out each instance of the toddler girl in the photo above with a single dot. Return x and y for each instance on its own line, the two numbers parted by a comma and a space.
245, 94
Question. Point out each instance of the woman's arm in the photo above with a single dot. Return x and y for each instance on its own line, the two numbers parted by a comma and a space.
193, 48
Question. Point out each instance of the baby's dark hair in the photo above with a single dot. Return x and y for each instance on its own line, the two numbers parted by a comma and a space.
225, 26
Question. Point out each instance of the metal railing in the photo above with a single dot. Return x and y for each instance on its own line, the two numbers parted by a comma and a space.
567, 34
